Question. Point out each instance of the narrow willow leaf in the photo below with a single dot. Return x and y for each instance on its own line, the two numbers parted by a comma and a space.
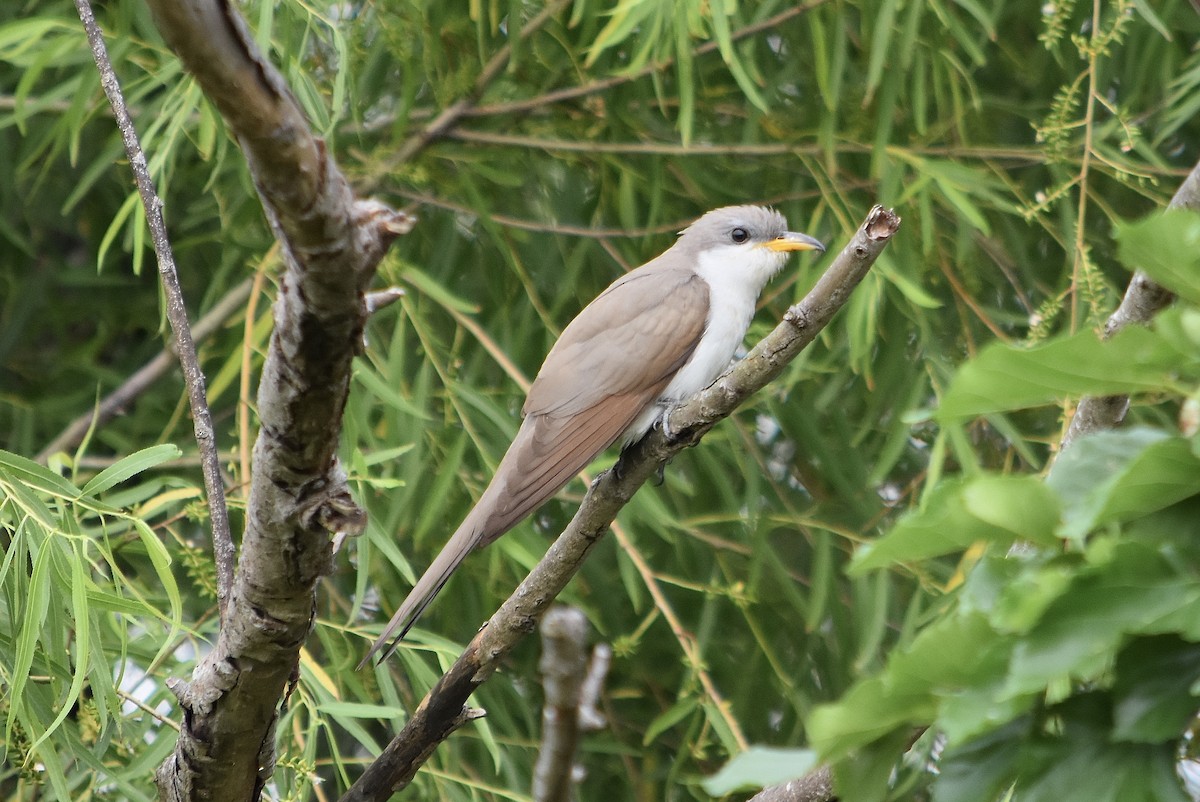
132, 465
669, 718
36, 476
82, 620
30, 620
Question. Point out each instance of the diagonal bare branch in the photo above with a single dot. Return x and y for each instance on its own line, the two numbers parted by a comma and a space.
444, 709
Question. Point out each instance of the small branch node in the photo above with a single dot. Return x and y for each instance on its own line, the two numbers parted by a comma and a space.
380, 299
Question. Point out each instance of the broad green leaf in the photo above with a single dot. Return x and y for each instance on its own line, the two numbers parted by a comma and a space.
1119, 475
132, 465
866, 774
868, 711
1128, 590
1165, 246
982, 768
1078, 760
758, 767
1003, 377
1000, 509
1154, 694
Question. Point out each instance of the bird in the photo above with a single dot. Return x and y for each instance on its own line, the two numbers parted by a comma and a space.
655, 337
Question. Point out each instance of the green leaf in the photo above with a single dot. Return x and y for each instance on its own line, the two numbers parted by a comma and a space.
982, 768
129, 466
668, 719
1117, 476
1155, 690
1146, 11
758, 767
429, 286
1004, 377
36, 476
30, 618
868, 711
361, 710
957, 514
1129, 588
1165, 246
81, 618
1079, 761
724, 36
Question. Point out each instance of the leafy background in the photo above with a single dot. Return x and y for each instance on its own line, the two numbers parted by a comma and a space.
1012, 137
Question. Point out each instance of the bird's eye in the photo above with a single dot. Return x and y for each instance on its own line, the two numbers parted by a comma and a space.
739, 235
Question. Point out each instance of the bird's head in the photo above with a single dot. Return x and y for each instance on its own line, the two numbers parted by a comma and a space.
750, 241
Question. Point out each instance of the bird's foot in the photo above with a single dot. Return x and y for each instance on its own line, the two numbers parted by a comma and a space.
664, 423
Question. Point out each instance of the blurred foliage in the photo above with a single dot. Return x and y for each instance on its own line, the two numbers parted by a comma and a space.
1011, 137
1067, 659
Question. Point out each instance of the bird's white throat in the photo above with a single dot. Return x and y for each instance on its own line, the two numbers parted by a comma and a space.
736, 275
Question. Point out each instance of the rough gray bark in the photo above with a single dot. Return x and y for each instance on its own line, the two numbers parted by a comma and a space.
1143, 300
332, 242
816, 786
444, 709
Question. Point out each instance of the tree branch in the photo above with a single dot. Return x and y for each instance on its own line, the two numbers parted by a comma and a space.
183, 344
434, 718
816, 786
1143, 300
332, 243
564, 668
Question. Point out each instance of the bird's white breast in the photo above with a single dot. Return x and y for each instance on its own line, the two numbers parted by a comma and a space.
735, 277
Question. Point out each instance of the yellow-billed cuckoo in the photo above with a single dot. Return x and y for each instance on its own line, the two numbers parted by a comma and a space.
655, 337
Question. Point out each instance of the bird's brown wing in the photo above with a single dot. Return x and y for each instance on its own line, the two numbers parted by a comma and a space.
584, 398
637, 333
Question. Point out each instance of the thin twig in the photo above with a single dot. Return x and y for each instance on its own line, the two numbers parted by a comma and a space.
591, 88
183, 345
687, 642
450, 116
442, 709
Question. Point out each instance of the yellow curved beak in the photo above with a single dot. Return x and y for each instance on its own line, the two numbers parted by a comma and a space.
791, 241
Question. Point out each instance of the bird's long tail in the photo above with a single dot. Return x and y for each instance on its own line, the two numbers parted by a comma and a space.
516, 490
461, 543
543, 457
